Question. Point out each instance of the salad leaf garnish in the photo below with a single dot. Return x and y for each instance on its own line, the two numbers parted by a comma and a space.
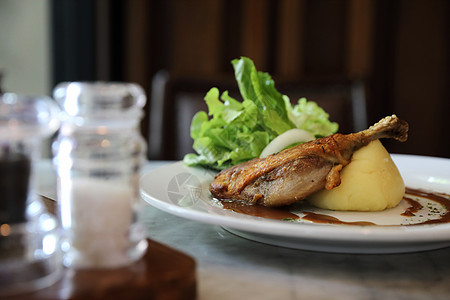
235, 131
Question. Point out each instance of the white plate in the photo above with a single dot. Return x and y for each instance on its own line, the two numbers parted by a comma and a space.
183, 191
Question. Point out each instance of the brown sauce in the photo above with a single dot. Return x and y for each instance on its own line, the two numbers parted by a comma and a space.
414, 207
286, 214
260, 211
442, 199
320, 218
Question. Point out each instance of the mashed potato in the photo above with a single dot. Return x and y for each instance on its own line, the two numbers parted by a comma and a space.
371, 182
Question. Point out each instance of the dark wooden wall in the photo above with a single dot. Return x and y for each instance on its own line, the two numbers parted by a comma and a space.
400, 48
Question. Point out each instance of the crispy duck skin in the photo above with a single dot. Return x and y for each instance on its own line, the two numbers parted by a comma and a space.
295, 173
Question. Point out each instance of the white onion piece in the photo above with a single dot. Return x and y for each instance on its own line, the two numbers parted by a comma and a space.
285, 139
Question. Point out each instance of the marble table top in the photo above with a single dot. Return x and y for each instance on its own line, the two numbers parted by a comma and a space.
231, 267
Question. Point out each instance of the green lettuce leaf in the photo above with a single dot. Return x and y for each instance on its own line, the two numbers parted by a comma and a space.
309, 116
236, 131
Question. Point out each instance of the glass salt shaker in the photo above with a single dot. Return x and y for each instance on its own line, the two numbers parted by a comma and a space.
29, 234
98, 155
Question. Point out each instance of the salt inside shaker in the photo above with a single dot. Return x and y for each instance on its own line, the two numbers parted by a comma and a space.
98, 155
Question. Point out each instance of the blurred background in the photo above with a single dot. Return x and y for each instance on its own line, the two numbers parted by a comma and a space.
393, 55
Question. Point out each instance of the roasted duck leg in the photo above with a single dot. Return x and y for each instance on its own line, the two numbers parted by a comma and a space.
293, 174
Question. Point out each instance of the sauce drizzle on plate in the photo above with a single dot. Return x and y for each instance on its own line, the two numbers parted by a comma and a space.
414, 207
282, 213
440, 198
